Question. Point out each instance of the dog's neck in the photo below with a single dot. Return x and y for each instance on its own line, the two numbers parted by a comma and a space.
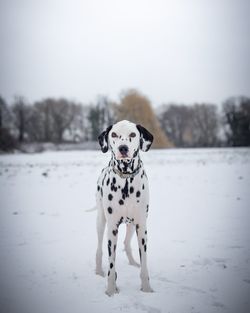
124, 167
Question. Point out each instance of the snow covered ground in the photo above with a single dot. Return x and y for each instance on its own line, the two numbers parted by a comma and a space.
198, 226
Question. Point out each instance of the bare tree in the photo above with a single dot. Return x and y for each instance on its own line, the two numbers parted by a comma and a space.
77, 128
101, 115
63, 113
4, 113
236, 120
51, 118
7, 140
175, 121
190, 126
204, 125
41, 122
2, 107
21, 113
34, 127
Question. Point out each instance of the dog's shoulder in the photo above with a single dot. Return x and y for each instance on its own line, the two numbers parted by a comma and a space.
104, 174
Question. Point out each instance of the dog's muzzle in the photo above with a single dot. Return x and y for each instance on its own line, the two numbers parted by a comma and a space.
123, 149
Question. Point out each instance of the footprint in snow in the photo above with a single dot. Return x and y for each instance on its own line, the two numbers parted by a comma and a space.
219, 305
193, 289
146, 308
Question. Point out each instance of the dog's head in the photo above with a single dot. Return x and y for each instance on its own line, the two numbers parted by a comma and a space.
125, 139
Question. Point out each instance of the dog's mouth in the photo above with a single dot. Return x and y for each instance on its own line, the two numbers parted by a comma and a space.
123, 157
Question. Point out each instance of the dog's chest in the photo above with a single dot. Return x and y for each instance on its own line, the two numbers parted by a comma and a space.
123, 196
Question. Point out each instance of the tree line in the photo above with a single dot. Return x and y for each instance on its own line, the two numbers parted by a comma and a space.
173, 125
203, 125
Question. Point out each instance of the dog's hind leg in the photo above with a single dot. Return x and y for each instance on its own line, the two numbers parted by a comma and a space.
127, 244
100, 224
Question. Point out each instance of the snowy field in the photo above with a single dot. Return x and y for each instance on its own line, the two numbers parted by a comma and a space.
198, 226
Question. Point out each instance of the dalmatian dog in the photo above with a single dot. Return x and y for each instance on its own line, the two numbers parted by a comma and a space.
123, 197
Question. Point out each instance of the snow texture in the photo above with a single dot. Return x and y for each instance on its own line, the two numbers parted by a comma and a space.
198, 227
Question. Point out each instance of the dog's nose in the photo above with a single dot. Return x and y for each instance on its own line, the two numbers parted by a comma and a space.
123, 149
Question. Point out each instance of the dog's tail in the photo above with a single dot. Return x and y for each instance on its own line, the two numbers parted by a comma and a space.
92, 209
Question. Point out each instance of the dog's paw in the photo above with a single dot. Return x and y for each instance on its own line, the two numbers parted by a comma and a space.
146, 289
111, 291
100, 272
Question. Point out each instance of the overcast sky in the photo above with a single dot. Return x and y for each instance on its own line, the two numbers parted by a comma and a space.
179, 50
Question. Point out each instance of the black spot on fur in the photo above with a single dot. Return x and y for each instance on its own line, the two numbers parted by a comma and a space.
111, 265
119, 222
115, 276
138, 201
125, 191
135, 153
113, 187
108, 273
121, 202
114, 180
137, 227
143, 241
115, 232
131, 179
147, 208
110, 197
98, 187
104, 179
131, 190
140, 253
108, 181
145, 248
110, 210
109, 247
143, 186
138, 193
132, 168
101, 192
146, 232
129, 220
114, 248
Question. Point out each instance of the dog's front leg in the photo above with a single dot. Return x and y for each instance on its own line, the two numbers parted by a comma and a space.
112, 275
100, 223
142, 243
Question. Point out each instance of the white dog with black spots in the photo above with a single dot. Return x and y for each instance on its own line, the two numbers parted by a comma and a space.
123, 197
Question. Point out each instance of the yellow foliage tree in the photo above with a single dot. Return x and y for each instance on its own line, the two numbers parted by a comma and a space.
136, 108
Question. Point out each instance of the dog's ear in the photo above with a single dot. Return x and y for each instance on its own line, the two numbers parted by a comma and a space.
146, 138
103, 139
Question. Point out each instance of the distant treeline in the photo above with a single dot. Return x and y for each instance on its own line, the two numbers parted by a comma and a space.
173, 125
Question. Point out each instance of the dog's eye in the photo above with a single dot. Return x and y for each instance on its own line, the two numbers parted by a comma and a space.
113, 135
132, 135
